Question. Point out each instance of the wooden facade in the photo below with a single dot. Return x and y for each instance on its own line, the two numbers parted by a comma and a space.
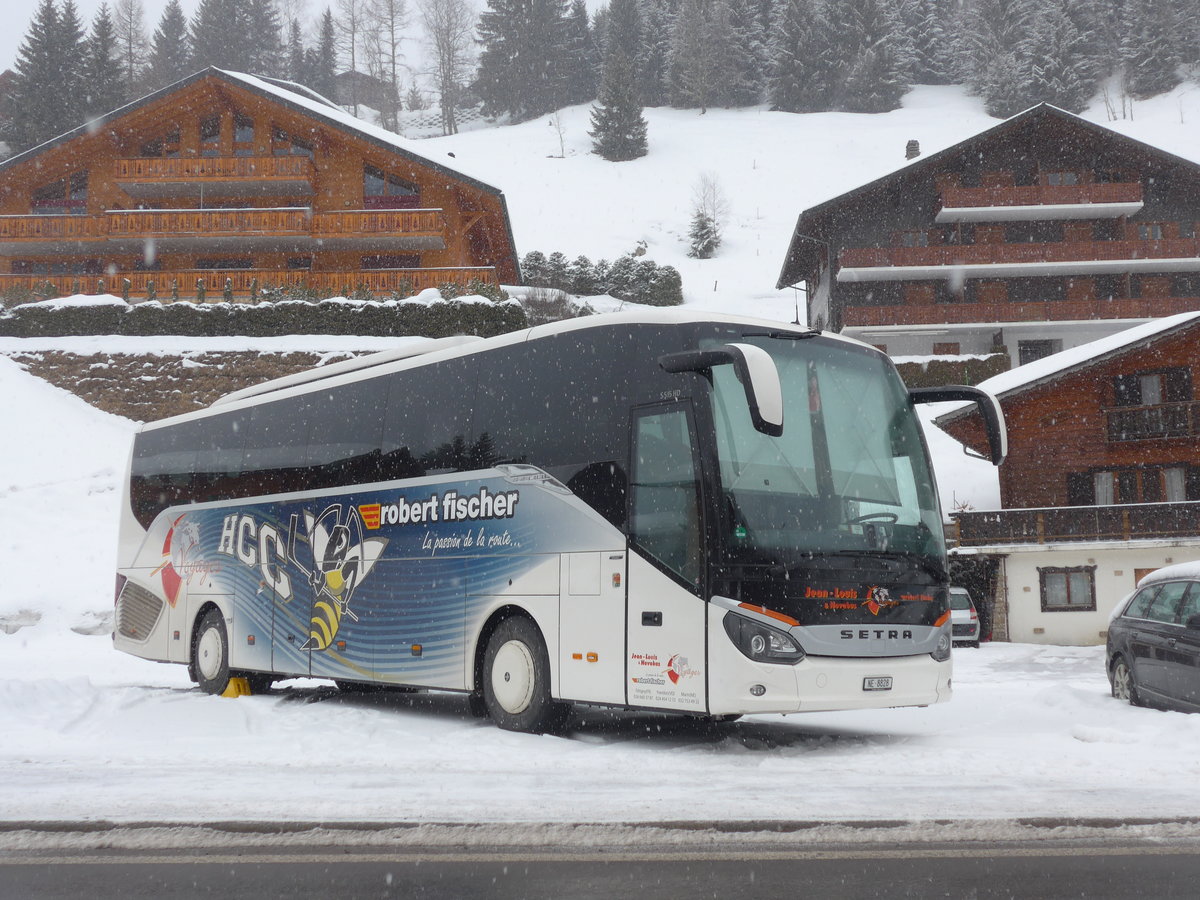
1045, 218
1119, 432
235, 183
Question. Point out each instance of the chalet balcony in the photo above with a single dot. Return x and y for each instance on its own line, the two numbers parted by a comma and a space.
1144, 423
1014, 311
212, 285
1064, 524
293, 228
1038, 202
1018, 260
157, 178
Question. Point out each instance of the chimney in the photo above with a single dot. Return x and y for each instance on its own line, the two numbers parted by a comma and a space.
912, 150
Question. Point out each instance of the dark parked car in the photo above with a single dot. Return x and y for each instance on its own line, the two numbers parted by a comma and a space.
1154, 641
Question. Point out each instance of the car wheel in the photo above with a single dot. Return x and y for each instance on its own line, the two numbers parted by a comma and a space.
516, 679
210, 653
1124, 687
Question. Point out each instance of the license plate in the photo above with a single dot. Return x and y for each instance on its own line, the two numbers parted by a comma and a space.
878, 683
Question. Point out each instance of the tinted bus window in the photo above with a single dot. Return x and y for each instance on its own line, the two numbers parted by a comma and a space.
219, 447
273, 454
427, 427
346, 428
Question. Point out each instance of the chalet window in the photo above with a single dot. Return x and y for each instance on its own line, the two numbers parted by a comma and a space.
1185, 285
392, 261
57, 267
285, 144
243, 136
1033, 232
1175, 484
1110, 287
225, 262
1105, 485
1062, 178
1187, 229
210, 136
384, 191
1036, 290
1106, 230
1066, 589
299, 262
66, 196
1150, 231
1030, 351
165, 146
1150, 388
913, 239
1108, 176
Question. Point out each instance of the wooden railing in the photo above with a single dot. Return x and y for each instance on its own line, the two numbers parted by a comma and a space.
284, 221
44, 228
991, 254
1045, 311
169, 222
214, 167
1143, 423
241, 284
1042, 195
379, 221
1079, 523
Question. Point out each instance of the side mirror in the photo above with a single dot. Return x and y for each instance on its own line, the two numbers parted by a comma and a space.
755, 370
989, 408
1193, 622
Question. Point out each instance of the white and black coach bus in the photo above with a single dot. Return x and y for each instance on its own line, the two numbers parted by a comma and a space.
669, 511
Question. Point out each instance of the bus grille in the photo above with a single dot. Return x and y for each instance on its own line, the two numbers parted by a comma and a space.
137, 612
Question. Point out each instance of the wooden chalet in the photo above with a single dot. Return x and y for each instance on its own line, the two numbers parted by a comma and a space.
237, 183
1042, 233
1102, 480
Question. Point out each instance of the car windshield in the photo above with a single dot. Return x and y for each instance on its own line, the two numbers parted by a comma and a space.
959, 601
849, 475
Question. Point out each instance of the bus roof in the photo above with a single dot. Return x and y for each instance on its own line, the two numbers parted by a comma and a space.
441, 349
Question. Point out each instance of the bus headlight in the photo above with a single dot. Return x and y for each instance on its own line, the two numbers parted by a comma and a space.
942, 652
762, 643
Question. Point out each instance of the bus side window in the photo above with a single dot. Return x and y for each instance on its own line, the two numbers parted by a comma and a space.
665, 520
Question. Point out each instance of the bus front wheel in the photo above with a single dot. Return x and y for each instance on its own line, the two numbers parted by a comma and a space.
516, 679
210, 653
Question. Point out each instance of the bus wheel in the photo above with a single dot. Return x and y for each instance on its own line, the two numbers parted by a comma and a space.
210, 653
516, 679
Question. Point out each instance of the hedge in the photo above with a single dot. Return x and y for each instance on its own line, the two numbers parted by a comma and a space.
387, 318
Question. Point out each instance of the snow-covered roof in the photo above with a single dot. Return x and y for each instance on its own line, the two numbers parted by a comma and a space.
1032, 374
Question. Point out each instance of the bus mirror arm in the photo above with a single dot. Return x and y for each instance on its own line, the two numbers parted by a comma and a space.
989, 410
756, 371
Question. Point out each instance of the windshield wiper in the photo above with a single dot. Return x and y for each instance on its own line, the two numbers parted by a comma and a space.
895, 561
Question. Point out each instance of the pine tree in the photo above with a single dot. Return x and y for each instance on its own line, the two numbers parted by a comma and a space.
704, 236
264, 52
802, 74
692, 71
69, 44
618, 127
1004, 85
925, 25
322, 64
745, 68
1150, 47
1059, 65
875, 57
522, 66
296, 67
132, 47
218, 35
653, 56
35, 118
991, 29
583, 63
103, 74
170, 51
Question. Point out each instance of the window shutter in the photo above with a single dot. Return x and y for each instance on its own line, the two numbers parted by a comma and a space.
1177, 385
1079, 489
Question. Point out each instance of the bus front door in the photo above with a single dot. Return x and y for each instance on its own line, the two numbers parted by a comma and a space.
666, 629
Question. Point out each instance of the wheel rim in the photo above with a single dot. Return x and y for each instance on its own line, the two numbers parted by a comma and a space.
513, 677
1121, 681
208, 653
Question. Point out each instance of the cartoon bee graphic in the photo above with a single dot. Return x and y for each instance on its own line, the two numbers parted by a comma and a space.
342, 557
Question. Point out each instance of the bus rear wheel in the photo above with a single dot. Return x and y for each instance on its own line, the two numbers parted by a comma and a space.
516, 679
210, 653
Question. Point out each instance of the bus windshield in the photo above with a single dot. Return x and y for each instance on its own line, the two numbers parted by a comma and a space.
848, 477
